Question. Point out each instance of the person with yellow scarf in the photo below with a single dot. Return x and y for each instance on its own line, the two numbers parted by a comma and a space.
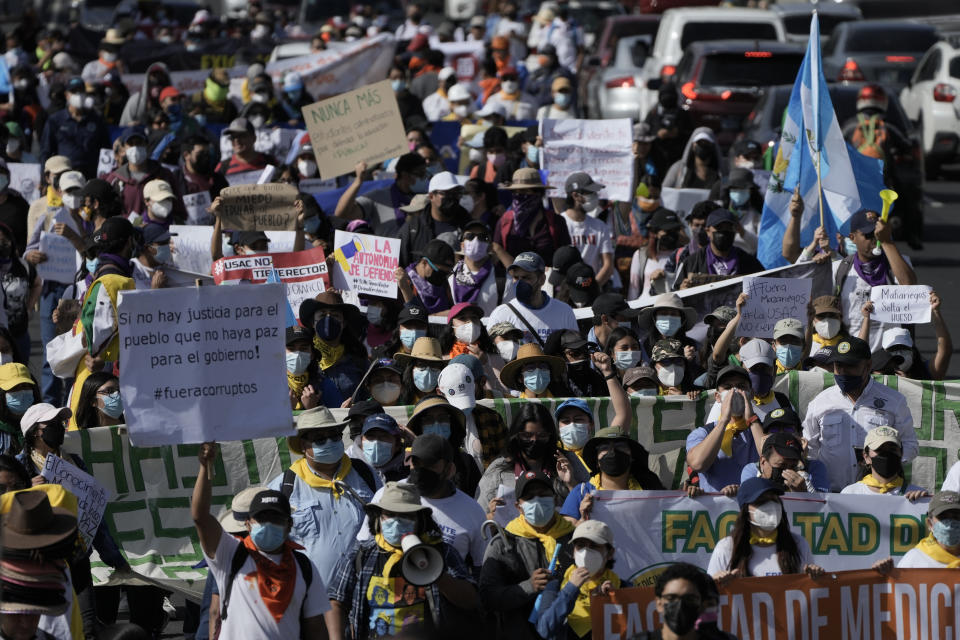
941, 548
883, 462
826, 323
520, 561
565, 607
337, 340
303, 380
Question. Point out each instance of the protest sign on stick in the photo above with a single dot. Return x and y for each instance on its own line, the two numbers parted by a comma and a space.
602, 148
62, 261
901, 304
363, 125
772, 300
365, 264
91, 496
197, 205
203, 363
191, 246
255, 207
303, 272
681, 201
25, 179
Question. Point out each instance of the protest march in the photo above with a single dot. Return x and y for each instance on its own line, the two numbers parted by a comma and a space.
490, 319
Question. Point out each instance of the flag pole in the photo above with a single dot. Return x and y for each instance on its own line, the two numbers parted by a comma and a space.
819, 188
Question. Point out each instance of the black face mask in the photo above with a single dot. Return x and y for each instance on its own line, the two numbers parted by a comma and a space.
202, 163
886, 465
723, 240
425, 480
53, 435
703, 151
702, 238
438, 278
534, 448
615, 463
680, 616
667, 242
448, 204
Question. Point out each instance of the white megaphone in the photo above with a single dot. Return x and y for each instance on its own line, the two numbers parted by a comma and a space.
422, 564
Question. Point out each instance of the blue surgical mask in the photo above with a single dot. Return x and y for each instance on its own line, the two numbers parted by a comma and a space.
409, 336
441, 429
394, 529
947, 532
19, 401
533, 154
267, 536
848, 384
91, 264
163, 255
294, 96
539, 511
398, 85
789, 354
739, 197
668, 325
327, 453
537, 380
627, 359
421, 185
425, 378
297, 362
113, 405
562, 99
850, 246
575, 435
377, 453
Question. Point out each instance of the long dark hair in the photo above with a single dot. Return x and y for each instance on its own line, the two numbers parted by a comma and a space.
531, 412
616, 336
86, 409
12, 465
788, 555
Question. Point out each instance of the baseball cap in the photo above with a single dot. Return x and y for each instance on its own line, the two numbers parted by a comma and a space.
942, 502
529, 478
896, 337
746, 147
781, 417
297, 332
363, 409
439, 253
382, 421
113, 228
563, 258
169, 92
666, 349
581, 181
788, 327
642, 132
572, 340
270, 501
75, 84
719, 216
613, 304
504, 329
634, 375
42, 412
879, 436
457, 385
157, 190
753, 488
248, 238
664, 220
862, 222
582, 284
156, 233
471, 362
132, 132
528, 261
431, 447
57, 164
410, 162
731, 369
826, 304
458, 93
492, 108
443, 181
594, 531
755, 352
786, 444
412, 312
99, 189
850, 351
71, 180
740, 179
240, 125
723, 314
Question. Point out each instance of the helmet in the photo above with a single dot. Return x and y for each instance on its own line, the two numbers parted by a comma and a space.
872, 96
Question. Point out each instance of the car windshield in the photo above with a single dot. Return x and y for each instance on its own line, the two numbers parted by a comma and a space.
749, 69
955, 67
799, 25
590, 18
701, 31
890, 40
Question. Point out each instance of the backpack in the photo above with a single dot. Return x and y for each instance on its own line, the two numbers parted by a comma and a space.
870, 136
506, 223
240, 556
361, 467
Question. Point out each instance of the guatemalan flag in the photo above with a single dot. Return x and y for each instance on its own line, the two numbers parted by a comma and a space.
850, 180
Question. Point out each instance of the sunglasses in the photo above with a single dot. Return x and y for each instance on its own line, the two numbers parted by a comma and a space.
476, 236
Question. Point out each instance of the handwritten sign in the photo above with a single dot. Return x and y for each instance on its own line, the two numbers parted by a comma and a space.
772, 300
243, 177
197, 204
91, 496
681, 201
602, 148
191, 246
901, 304
25, 179
363, 125
365, 264
254, 207
304, 273
106, 162
62, 261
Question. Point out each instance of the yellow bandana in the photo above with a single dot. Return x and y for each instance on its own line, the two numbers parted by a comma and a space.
305, 473
783, 369
734, 426
329, 355
297, 384
579, 618
396, 554
932, 548
761, 400
38, 459
560, 527
763, 541
827, 342
53, 200
884, 487
632, 484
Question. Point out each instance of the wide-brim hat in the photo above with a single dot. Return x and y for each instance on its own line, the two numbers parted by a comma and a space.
32, 523
326, 300
530, 353
425, 348
668, 301
398, 497
609, 435
316, 418
525, 178
458, 421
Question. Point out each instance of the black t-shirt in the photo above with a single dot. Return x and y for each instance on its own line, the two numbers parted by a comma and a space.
13, 213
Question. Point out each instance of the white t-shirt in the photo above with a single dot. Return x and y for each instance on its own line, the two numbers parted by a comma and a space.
459, 517
853, 294
748, 240
435, 107
860, 489
763, 560
553, 316
952, 481
248, 617
488, 298
592, 238
916, 559
640, 283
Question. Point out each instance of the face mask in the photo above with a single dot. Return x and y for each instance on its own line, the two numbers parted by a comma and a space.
760, 382
789, 354
135, 155
398, 85
589, 559
627, 359
643, 393
4, 181
91, 265
297, 362
467, 333
743, 163
591, 202
257, 121
703, 151
174, 111
294, 95
907, 359
886, 465
163, 255
468, 203
537, 380
723, 240
668, 325
394, 529
510, 86
75, 100
680, 616
374, 313
947, 532
739, 197
671, 375
425, 378
702, 238
827, 328
13, 145
113, 405
766, 516
421, 185
53, 435
562, 100
667, 242
648, 204
575, 435
533, 154
524, 291
475, 249
22, 84
161, 210
19, 401
385, 392
508, 349
850, 246
461, 111
327, 453
615, 463
848, 384
307, 168
425, 480
328, 328
441, 429
377, 453
267, 536
72, 201
109, 56
409, 336
6, 358
539, 511
497, 159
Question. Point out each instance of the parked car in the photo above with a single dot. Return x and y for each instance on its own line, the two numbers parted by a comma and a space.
590, 15
884, 51
613, 92
604, 56
796, 18
681, 27
930, 100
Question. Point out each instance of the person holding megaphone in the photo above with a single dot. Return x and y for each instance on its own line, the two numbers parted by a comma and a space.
404, 578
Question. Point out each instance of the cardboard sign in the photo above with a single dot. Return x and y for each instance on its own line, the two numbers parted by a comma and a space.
901, 304
357, 126
255, 207
106, 163
681, 201
62, 261
91, 496
602, 148
304, 273
365, 264
772, 300
197, 205
203, 364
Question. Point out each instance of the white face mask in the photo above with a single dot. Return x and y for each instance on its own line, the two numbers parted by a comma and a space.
743, 163
13, 145
6, 358
591, 202
257, 121
510, 86
467, 202
385, 392
75, 100
161, 209
72, 201
627, 359
467, 333
461, 111
109, 57
135, 155
670, 375
307, 168
827, 328
589, 559
507, 349
476, 249
766, 516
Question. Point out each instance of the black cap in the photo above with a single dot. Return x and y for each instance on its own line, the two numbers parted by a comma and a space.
746, 147
412, 312
885, 362
740, 179
719, 216
581, 181
864, 221
299, 333
582, 283
410, 162
113, 229
387, 363
563, 258
664, 220
531, 477
732, 368
849, 351
430, 447
613, 304
364, 409
570, 339
439, 253
269, 500
781, 417
99, 190
154, 233
786, 444
668, 120
249, 238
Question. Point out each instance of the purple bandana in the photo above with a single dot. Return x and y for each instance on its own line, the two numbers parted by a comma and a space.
434, 298
466, 286
874, 272
723, 266
399, 199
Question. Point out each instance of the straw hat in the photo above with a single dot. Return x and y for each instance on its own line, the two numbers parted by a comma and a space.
458, 421
316, 418
425, 348
525, 178
668, 301
530, 353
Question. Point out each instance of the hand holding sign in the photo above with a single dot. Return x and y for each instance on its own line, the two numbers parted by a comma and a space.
255, 207
901, 304
769, 301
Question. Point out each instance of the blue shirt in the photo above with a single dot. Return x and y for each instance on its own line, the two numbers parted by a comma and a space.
725, 469
571, 506
80, 141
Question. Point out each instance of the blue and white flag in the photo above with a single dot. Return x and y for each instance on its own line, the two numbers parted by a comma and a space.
811, 133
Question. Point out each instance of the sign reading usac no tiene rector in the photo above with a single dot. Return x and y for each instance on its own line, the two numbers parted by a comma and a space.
363, 125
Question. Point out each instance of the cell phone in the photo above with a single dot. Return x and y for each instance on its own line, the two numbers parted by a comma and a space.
737, 405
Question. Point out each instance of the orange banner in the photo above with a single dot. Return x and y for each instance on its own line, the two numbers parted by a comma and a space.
849, 605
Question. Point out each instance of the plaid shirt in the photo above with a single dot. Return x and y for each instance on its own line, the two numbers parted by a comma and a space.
492, 433
345, 587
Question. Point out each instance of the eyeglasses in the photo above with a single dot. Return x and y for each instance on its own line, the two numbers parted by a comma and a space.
107, 392
542, 436
482, 237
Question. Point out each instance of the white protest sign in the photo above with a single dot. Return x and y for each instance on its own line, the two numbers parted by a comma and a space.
91, 496
243, 177
204, 363
366, 263
602, 148
62, 261
191, 246
772, 300
504, 513
681, 201
901, 304
106, 163
25, 179
196, 205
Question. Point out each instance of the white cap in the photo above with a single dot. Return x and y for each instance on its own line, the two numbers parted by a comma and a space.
158, 190
443, 181
234, 520
755, 352
446, 72
458, 93
456, 384
72, 180
42, 412
895, 337
492, 107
